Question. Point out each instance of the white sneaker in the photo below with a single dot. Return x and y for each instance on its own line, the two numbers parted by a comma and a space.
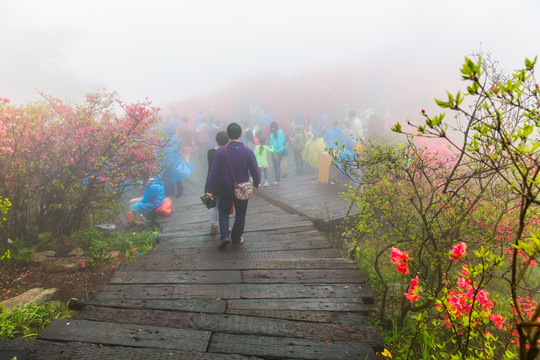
266, 183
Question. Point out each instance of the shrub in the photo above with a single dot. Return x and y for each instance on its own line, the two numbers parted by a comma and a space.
64, 166
424, 209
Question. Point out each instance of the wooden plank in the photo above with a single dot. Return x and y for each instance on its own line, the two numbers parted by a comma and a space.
143, 292
207, 239
295, 291
285, 227
254, 244
191, 305
125, 335
243, 253
23, 348
239, 253
234, 291
177, 277
327, 276
346, 318
236, 324
335, 263
32, 349
332, 304
304, 233
287, 348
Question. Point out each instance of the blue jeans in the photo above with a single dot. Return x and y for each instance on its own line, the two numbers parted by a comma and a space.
226, 199
276, 160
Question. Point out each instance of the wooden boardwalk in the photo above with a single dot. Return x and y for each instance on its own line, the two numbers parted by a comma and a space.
304, 195
285, 294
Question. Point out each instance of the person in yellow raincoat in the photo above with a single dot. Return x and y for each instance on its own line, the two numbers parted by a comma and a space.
313, 150
309, 153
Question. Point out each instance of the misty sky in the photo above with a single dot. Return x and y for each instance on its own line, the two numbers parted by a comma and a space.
170, 50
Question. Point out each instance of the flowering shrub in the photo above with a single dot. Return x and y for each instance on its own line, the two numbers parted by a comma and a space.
480, 196
63, 164
463, 308
499, 131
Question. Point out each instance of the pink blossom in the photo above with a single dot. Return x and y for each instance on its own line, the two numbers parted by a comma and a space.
458, 251
498, 321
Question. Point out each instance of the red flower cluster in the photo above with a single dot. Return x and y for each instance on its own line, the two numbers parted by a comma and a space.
400, 258
414, 292
458, 252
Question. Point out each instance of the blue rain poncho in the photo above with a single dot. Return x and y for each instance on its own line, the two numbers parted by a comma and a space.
174, 169
347, 155
333, 135
154, 194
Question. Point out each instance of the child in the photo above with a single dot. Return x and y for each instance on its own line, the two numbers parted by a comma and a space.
221, 140
261, 154
299, 143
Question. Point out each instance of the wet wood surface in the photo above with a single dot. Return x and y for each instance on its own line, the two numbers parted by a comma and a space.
285, 294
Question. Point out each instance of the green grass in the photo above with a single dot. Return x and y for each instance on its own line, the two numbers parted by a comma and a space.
130, 244
28, 322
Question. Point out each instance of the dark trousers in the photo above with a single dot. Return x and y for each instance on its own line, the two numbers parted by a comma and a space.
298, 160
169, 188
226, 199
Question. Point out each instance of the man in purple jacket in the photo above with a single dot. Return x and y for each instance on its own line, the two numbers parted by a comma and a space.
220, 180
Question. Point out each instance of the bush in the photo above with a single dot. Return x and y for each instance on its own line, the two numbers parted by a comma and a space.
65, 166
424, 210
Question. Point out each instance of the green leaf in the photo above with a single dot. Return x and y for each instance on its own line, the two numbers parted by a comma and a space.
442, 104
459, 99
396, 127
530, 64
527, 130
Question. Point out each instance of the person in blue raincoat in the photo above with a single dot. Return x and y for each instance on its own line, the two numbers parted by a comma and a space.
278, 141
335, 137
345, 158
154, 194
174, 169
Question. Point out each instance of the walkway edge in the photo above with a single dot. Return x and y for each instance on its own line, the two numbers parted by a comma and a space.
274, 200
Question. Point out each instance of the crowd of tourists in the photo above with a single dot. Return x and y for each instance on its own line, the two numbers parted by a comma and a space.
273, 141
236, 153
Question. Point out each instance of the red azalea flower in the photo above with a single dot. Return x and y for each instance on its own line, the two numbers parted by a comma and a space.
414, 292
400, 258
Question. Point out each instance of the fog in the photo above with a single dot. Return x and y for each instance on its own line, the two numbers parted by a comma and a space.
402, 53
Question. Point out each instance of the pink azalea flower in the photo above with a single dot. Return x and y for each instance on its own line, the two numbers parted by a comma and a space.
458, 252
